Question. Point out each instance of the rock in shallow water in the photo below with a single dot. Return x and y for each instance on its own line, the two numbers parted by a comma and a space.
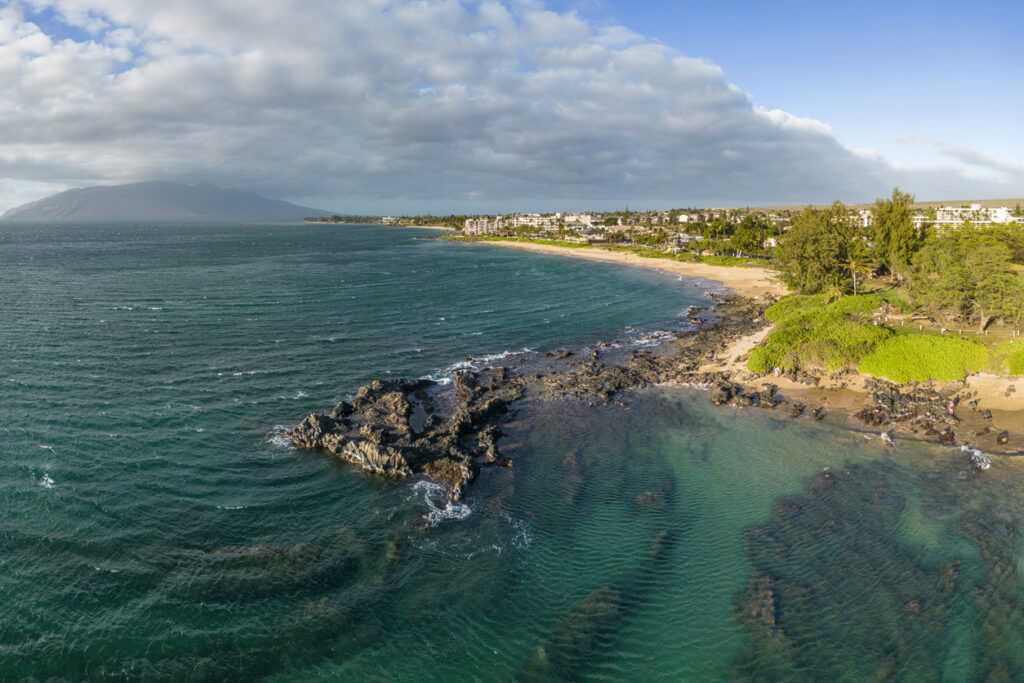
458, 434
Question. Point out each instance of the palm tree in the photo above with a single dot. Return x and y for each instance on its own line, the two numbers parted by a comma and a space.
857, 263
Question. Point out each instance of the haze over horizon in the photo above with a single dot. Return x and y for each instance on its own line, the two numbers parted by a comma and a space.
396, 106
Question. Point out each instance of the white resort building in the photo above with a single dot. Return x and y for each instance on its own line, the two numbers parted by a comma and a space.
485, 225
947, 216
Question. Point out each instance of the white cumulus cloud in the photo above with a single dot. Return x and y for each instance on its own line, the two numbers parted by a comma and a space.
393, 105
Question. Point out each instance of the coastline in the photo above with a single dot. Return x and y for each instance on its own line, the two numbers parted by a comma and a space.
749, 281
848, 393
460, 422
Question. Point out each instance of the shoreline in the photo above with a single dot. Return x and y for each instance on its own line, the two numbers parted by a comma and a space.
451, 430
749, 281
847, 393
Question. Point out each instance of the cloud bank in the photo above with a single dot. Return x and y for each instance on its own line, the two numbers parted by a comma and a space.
402, 105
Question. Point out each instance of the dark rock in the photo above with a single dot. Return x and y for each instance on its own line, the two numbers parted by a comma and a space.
1003, 438
343, 409
450, 444
723, 391
743, 401
766, 397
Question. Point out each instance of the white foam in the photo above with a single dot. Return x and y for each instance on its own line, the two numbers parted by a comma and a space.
485, 360
654, 339
231, 507
278, 438
978, 459
46, 482
432, 493
444, 377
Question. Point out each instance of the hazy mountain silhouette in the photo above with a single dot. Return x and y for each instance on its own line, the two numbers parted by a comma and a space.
159, 201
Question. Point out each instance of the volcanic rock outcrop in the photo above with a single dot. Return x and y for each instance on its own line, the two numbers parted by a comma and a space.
402, 428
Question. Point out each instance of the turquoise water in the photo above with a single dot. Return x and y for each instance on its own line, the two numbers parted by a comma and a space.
156, 525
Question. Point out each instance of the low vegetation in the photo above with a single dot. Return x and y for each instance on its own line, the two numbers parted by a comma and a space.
910, 357
1010, 356
813, 334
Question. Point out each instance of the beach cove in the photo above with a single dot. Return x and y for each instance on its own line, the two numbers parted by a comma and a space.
152, 498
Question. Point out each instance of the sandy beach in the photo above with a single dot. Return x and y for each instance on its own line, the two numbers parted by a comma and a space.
846, 393
750, 281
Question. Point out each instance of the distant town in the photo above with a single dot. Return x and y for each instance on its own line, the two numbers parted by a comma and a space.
716, 232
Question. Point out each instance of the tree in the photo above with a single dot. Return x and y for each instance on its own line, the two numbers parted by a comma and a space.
750, 235
896, 240
857, 262
996, 287
814, 252
967, 275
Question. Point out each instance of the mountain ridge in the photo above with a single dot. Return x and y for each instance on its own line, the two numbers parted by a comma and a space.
159, 200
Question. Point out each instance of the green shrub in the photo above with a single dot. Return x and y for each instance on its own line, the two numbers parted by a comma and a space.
831, 345
1011, 356
810, 333
910, 357
852, 305
760, 360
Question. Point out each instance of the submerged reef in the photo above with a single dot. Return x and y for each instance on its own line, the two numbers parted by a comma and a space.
844, 564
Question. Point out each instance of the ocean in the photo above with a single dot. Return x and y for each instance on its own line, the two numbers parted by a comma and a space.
157, 525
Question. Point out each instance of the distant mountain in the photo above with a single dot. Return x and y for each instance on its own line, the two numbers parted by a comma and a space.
154, 201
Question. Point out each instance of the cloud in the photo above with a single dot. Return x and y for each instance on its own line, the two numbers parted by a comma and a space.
395, 105
973, 157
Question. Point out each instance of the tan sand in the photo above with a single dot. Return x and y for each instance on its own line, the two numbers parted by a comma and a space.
749, 281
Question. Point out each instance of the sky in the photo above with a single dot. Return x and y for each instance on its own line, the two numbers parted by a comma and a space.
492, 106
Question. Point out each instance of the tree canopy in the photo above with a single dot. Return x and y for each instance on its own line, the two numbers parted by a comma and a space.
895, 237
966, 274
812, 257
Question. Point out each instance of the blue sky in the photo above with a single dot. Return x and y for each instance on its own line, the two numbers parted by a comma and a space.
890, 76
398, 106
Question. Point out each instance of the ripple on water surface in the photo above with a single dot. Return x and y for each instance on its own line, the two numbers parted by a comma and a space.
158, 525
